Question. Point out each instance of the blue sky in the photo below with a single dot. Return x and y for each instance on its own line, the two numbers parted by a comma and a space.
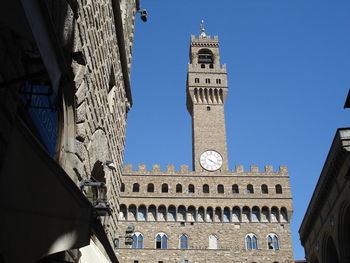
288, 67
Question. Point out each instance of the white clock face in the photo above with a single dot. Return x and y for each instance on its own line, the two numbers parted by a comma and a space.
211, 160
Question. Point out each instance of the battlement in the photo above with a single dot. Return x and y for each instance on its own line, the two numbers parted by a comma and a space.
239, 171
204, 41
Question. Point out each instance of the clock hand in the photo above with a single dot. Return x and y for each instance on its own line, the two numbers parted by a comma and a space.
212, 161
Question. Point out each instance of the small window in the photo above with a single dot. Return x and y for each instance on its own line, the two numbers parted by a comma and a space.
122, 212
218, 81
211, 66
251, 242
206, 189
208, 108
221, 189
264, 189
136, 188
116, 242
205, 56
250, 189
141, 213
207, 81
122, 188
160, 261
161, 241
150, 188
202, 66
213, 242
183, 242
178, 188
196, 80
191, 189
137, 240
273, 242
182, 224
165, 188
235, 189
136, 261
278, 189
186, 261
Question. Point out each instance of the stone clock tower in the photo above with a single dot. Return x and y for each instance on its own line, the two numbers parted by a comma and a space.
208, 213
206, 95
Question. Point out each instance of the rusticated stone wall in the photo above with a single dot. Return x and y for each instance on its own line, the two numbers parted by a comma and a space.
101, 98
199, 215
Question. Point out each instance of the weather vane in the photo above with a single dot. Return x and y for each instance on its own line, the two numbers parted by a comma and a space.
202, 29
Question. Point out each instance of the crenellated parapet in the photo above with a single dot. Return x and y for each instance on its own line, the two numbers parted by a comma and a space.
183, 170
204, 41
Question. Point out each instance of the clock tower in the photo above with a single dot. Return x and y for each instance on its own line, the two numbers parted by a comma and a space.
206, 94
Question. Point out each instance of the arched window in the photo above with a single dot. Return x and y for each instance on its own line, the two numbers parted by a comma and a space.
284, 215
213, 242
132, 212
209, 215
248, 242
273, 242
265, 214
183, 242
178, 188
250, 189
274, 214
150, 188
218, 216
206, 189
136, 187
181, 213
165, 188
246, 214
141, 213
264, 189
122, 212
161, 213
152, 213
191, 189
255, 214
161, 241
221, 189
171, 213
122, 188
251, 242
205, 56
227, 214
278, 189
200, 216
236, 214
137, 240
235, 189
191, 214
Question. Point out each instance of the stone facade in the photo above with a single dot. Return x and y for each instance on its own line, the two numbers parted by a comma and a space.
102, 94
64, 98
325, 227
210, 213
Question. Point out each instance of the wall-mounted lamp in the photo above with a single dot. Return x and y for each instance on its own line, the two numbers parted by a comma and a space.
111, 165
97, 197
143, 13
